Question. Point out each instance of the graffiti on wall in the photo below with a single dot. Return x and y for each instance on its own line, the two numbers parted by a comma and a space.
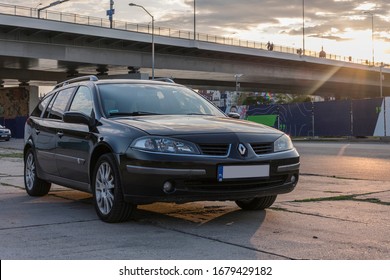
14, 109
14, 102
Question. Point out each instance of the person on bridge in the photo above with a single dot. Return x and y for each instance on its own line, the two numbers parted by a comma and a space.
270, 46
322, 53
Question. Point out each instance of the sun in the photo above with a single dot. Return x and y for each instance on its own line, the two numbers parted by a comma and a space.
360, 45
355, 44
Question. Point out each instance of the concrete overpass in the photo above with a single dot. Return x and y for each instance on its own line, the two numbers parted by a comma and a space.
50, 49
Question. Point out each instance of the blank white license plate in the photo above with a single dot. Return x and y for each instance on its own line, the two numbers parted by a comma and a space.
242, 171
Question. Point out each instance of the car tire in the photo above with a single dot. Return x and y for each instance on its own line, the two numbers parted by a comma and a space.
33, 184
107, 192
257, 203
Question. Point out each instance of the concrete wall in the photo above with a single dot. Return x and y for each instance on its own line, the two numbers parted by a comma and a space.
33, 98
16, 104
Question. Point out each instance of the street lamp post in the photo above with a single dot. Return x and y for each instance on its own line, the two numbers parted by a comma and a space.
303, 27
237, 76
372, 35
142, 7
194, 21
50, 5
381, 77
381, 95
111, 12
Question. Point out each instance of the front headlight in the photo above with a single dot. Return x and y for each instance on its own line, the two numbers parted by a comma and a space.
164, 145
283, 143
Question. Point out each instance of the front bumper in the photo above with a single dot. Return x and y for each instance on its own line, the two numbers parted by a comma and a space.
5, 136
148, 177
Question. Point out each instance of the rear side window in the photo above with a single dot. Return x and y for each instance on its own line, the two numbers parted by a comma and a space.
82, 101
41, 106
59, 106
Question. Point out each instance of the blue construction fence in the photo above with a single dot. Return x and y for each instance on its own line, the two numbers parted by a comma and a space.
366, 117
16, 125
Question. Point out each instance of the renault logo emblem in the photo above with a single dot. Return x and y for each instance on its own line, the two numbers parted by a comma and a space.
242, 149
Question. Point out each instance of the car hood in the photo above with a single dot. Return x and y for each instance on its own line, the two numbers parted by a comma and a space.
186, 125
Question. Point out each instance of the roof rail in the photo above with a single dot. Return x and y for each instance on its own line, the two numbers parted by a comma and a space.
75, 80
168, 80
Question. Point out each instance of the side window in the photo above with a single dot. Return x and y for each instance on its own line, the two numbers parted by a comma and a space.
82, 101
60, 103
47, 111
41, 106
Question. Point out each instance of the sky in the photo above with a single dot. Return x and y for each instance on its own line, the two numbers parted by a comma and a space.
338, 26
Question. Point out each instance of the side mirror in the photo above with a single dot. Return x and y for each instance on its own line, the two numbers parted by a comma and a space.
233, 115
80, 118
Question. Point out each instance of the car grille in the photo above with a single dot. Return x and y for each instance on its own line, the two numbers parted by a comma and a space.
232, 186
262, 148
214, 149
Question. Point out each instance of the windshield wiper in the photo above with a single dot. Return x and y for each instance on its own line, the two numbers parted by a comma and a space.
199, 114
137, 113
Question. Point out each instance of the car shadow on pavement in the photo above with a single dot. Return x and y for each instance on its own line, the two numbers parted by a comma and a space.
220, 229
223, 223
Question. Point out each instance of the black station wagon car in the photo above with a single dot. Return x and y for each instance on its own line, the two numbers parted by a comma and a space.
132, 142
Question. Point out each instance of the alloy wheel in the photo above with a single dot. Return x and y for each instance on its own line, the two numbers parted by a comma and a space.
30, 171
104, 188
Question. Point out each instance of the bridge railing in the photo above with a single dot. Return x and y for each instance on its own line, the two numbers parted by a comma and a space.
162, 31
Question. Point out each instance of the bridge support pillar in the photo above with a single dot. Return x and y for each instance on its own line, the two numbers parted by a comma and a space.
102, 71
71, 73
24, 83
133, 69
33, 98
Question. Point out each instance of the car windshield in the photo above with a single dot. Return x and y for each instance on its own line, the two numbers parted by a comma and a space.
145, 99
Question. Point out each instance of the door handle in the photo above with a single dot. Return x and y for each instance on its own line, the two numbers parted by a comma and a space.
37, 131
60, 134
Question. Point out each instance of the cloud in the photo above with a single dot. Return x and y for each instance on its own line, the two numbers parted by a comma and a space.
329, 19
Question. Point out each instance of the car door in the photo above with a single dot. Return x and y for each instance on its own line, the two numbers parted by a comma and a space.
46, 129
74, 141
44, 143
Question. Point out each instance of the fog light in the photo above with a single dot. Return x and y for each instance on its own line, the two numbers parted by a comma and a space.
293, 179
168, 187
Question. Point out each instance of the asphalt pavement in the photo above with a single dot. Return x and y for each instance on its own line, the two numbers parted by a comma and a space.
326, 217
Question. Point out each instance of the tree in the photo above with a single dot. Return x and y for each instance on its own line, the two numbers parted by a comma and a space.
256, 100
301, 99
282, 98
287, 98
